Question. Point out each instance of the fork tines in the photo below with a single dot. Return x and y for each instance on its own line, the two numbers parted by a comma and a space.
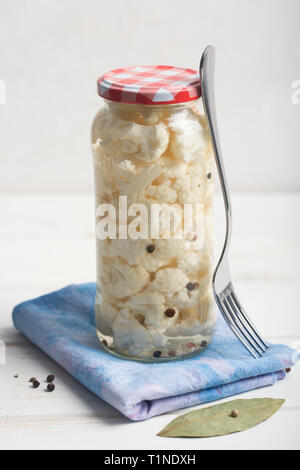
240, 323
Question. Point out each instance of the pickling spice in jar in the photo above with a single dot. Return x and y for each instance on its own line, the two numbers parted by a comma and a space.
150, 248
192, 285
170, 312
172, 353
157, 354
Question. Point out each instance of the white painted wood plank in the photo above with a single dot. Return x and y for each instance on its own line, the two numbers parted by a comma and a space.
280, 432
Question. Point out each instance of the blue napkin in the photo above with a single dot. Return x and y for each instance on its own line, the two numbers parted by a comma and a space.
62, 325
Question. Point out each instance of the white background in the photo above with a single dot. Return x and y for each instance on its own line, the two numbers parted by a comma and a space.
52, 52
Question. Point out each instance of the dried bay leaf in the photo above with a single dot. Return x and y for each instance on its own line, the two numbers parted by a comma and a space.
216, 420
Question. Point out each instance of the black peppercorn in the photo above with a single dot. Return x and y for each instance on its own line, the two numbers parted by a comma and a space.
36, 384
203, 344
33, 379
192, 285
288, 370
208, 175
157, 354
50, 387
50, 378
150, 248
104, 342
170, 312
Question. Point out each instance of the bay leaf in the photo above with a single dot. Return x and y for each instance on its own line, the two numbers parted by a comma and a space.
216, 420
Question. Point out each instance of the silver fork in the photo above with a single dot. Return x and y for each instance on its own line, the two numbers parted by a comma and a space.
224, 293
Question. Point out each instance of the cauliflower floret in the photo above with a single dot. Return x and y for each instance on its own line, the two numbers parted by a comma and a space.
152, 307
194, 263
131, 250
151, 116
199, 319
146, 143
121, 280
191, 186
109, 131
129, 334
128, 180
102, 169
172, 282
165, 253
166, 220
189, 135
161, 193
172, 168
188, 262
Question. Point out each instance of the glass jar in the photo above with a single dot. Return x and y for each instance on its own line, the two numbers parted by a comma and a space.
154, 198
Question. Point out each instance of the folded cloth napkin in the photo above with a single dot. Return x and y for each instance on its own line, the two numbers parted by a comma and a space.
62, 325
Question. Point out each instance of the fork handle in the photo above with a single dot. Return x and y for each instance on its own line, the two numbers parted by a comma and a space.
207, 78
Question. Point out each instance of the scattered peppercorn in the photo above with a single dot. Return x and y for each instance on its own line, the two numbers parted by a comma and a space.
170, 312
208, 175
16, 376
157, 353
288, 370
234, 413
150, 248
50, 387
33, 379
203, 344
190, 345
36, 384
104, 342
50, 378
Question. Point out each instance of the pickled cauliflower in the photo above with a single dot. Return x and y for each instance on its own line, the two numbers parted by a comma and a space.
189, 136
156, 290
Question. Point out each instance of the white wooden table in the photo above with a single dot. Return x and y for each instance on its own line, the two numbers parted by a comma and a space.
47, 242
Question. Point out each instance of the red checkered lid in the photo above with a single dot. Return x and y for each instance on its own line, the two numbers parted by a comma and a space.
150, 84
